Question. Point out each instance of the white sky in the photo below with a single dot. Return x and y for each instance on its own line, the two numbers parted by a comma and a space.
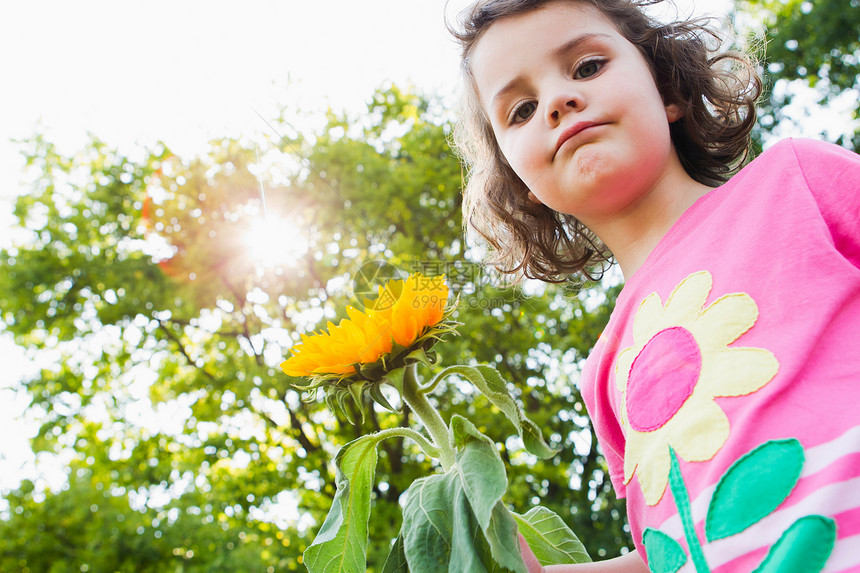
183, 72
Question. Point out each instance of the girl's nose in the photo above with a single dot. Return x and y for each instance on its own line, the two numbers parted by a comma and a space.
560, 105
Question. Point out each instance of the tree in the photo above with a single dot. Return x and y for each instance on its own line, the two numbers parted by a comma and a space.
162, 327
811, 44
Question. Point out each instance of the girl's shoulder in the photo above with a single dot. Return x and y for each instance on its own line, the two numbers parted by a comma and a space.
829, 172
810, 154
831, 176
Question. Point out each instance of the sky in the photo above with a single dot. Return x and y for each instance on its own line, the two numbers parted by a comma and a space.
183, 72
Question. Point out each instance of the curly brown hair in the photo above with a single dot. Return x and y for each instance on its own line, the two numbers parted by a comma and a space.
716, 91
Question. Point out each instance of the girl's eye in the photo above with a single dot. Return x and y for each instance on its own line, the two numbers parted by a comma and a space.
588, 69
523, 112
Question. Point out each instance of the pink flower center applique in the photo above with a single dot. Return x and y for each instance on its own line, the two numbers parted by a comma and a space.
662, 377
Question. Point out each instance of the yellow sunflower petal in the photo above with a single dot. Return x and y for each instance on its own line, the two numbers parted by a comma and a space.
402, 312
405, 330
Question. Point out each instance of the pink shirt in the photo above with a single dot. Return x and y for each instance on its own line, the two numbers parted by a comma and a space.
733, 356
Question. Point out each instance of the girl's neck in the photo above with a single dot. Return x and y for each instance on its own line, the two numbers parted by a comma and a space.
634, 233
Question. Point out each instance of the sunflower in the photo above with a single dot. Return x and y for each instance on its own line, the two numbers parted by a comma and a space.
397, 328
362, 338
679, 362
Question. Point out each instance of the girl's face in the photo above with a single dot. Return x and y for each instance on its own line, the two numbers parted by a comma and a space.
575, 110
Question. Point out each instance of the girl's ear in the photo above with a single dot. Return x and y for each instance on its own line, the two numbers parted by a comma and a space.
674, 112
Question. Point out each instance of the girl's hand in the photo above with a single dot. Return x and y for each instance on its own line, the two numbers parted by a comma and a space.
532, 564
629, 563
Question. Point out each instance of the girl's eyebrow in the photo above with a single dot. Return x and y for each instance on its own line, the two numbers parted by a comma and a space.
576, 42
568, 46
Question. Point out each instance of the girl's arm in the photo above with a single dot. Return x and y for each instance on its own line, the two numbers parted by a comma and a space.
629, 563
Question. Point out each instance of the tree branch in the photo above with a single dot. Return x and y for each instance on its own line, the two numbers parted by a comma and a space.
182, 350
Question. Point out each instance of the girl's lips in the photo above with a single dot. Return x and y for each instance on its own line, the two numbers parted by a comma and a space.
573, 130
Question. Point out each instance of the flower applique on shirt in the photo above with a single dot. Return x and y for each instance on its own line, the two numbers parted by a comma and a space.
680, 361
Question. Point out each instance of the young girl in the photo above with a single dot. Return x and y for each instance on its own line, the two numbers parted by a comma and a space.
724, 390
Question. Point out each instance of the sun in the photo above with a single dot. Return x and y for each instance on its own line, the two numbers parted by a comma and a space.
276, 242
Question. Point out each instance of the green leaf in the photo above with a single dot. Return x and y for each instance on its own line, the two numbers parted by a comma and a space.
549, 537
482, 473
480, 469
803, 548
428, 358
355, 390
665, 555
753, 487
501, 535
465, 547
493, 386
394, 378
376, 394
341, 543
396, 560
441, 533
428, 524
372, 370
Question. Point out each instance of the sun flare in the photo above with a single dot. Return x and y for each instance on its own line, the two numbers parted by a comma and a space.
274, 242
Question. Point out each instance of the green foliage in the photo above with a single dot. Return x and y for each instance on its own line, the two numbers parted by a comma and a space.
454, 520
814, 43
193, 330
88, 527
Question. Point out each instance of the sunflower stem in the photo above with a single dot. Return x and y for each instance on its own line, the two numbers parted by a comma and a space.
429, 416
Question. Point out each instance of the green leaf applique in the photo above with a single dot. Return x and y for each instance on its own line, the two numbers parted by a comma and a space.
754, 486
665, 555
803, 548
751, 489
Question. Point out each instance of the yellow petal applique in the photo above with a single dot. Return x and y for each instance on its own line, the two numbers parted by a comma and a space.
726, 319
719, 379
699, 430
622, 367
653, 471
687, 300
649, 314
